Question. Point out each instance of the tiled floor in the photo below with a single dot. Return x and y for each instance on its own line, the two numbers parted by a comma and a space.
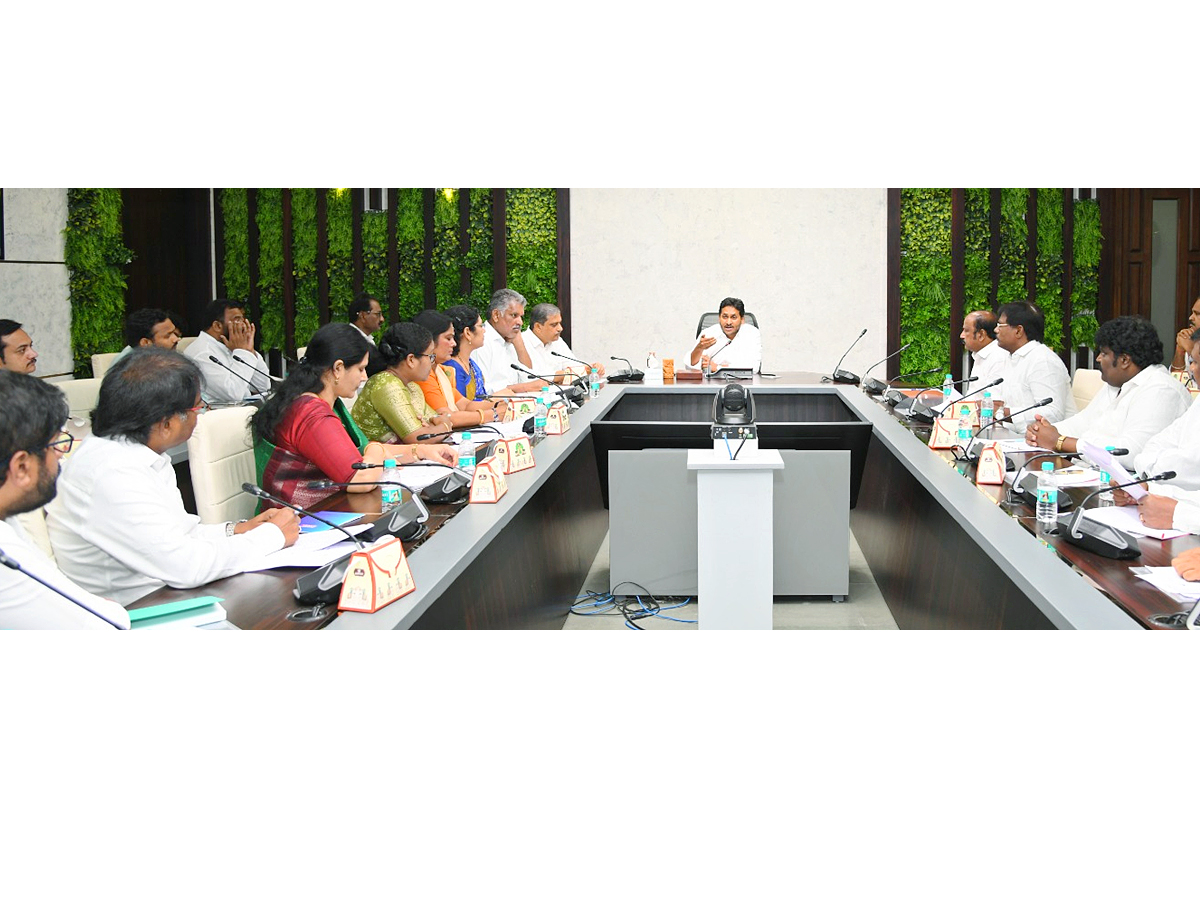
864, 607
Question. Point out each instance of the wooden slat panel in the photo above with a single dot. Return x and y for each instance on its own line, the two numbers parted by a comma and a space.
893, 280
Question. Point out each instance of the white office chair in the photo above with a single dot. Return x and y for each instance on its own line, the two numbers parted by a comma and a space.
82, 394
1084, 386
185, 342
102, 362
221, 458
300, 351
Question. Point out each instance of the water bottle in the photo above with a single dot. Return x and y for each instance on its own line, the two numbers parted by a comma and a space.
1106, 498
986, 410
964, 427
947, 388
1047, 499
539, 415
594, 384
389, 490
466, 452
653, 373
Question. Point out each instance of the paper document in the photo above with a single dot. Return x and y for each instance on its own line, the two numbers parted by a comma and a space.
417, 477
1166, 579
1077, 476
1126, 519
310, 550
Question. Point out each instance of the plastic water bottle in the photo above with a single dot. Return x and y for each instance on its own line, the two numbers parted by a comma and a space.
986, 410
964, 427
389, 490
1106, 498
539, 415
653, 373
594, 383
947, 388
1047, 499
466, 452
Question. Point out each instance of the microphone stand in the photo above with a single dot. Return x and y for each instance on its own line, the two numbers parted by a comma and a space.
7, 560
840, 375
571, 392
1101, 538
925, 414
893, 396
237, 374
942, 411
874, 385
632, 376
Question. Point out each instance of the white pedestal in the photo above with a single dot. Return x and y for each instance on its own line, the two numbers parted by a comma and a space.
734, 515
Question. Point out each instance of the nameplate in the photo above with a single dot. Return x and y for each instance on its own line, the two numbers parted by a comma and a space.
489, 484
990, 469
576, 371
557, 421
521, 408
944, 434
514, 454
376, 576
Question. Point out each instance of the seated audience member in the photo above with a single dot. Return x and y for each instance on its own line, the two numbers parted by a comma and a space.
240, 372
504, 345
118, 525
1034, 371
988, 358
32, 416
740, 343
16, 348
303, 432
1174, 449
366, 315
543, 339
1185, 340
392, 408
468, 337
1139, 398
440, 393
149, 328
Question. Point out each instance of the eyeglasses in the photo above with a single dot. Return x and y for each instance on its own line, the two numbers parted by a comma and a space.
63, 443
432, 357
204, 406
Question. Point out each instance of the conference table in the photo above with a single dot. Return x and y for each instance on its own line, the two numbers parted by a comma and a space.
945, 552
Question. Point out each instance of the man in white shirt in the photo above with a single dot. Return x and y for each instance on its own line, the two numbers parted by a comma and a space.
988, 358
1175, 448
504, 345
149, 328
1034, 371
118, 525
366, 315
16, 348
239, 371
32, 415
543, 339
1139, 398
738, 343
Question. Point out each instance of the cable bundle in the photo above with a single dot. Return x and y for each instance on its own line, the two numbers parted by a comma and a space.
632, 608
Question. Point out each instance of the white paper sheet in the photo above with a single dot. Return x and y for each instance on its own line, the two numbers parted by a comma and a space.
1126, 519
1166, 579
311, 550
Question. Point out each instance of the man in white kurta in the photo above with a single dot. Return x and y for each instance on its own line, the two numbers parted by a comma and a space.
1139, 397
1034, 371
504, 345
543, 339
240, 372
730, 343
988, 358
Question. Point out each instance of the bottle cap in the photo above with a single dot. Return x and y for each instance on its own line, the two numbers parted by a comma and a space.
389, 463
466, 436
1047, 466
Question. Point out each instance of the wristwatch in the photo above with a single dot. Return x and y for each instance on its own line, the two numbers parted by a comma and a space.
230, 526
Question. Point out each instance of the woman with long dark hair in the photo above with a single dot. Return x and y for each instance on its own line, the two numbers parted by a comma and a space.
468, 337
439, 389
392, 407
304, 433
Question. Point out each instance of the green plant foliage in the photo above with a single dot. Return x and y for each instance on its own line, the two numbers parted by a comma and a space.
1085, 284
532, 266
1014, 235
307, 318
269, 216
1048, 284
977, 273
96, 258
479, 254
925, 279
235, 216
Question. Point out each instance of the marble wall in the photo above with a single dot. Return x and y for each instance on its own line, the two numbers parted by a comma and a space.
810, 263
34, 287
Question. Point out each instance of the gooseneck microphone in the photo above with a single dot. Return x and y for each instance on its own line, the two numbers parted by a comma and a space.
256, 369
236, 374
893, 395
571, 358
1101, 538
1046, 402
571, 391
922, 413
255, 491
1028, 495
942, 411
840, 375
874, 385
633, 375
7, 560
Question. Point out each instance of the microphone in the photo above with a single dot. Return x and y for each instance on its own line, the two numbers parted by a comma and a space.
570, 392
399, 521
7, 560
633, 375
893, 395
922, 413
255, 491
443, 434
874, 385
235, 373
942, 411
571, 358
1008, 418
252, 366
1101, 538
1029, 496
840, 375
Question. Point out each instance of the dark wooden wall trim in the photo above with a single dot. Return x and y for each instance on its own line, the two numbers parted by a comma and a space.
562, 234
393, 255
218, 215
430, 287
289, 275
356, 245
994, 246
323, 256
893, 280
958, 288
499, 239
1068, 275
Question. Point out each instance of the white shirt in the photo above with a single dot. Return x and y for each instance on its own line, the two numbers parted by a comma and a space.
495, 359
1177, 448
369, 337
989, 364
220, 384
1144, 406
744, 353
544, 362
118, 526
1033, 373
26, 604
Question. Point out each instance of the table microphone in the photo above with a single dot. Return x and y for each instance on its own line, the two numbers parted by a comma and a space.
256, 491
942, 411
236, 374
840, 375
1008, 418
7, 560
571, 358
926, 414
1018, 488
893, 395
274, 378
570, 392
874, 385
1101, 538
633, 375
1064, 499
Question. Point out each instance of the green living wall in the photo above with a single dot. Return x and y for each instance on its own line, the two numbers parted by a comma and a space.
531, 242
925, 266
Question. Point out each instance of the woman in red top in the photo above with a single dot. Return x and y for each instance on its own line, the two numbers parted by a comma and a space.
304, 432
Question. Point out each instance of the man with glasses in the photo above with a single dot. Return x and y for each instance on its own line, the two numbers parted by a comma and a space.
366, 315
1034, 371
239, 372
118, 525
32, 415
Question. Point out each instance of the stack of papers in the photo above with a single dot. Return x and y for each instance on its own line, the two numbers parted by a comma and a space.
1167, 580
1126, 519
313, 548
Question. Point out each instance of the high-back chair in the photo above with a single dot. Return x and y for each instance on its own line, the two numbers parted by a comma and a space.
711, 318
221, 458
